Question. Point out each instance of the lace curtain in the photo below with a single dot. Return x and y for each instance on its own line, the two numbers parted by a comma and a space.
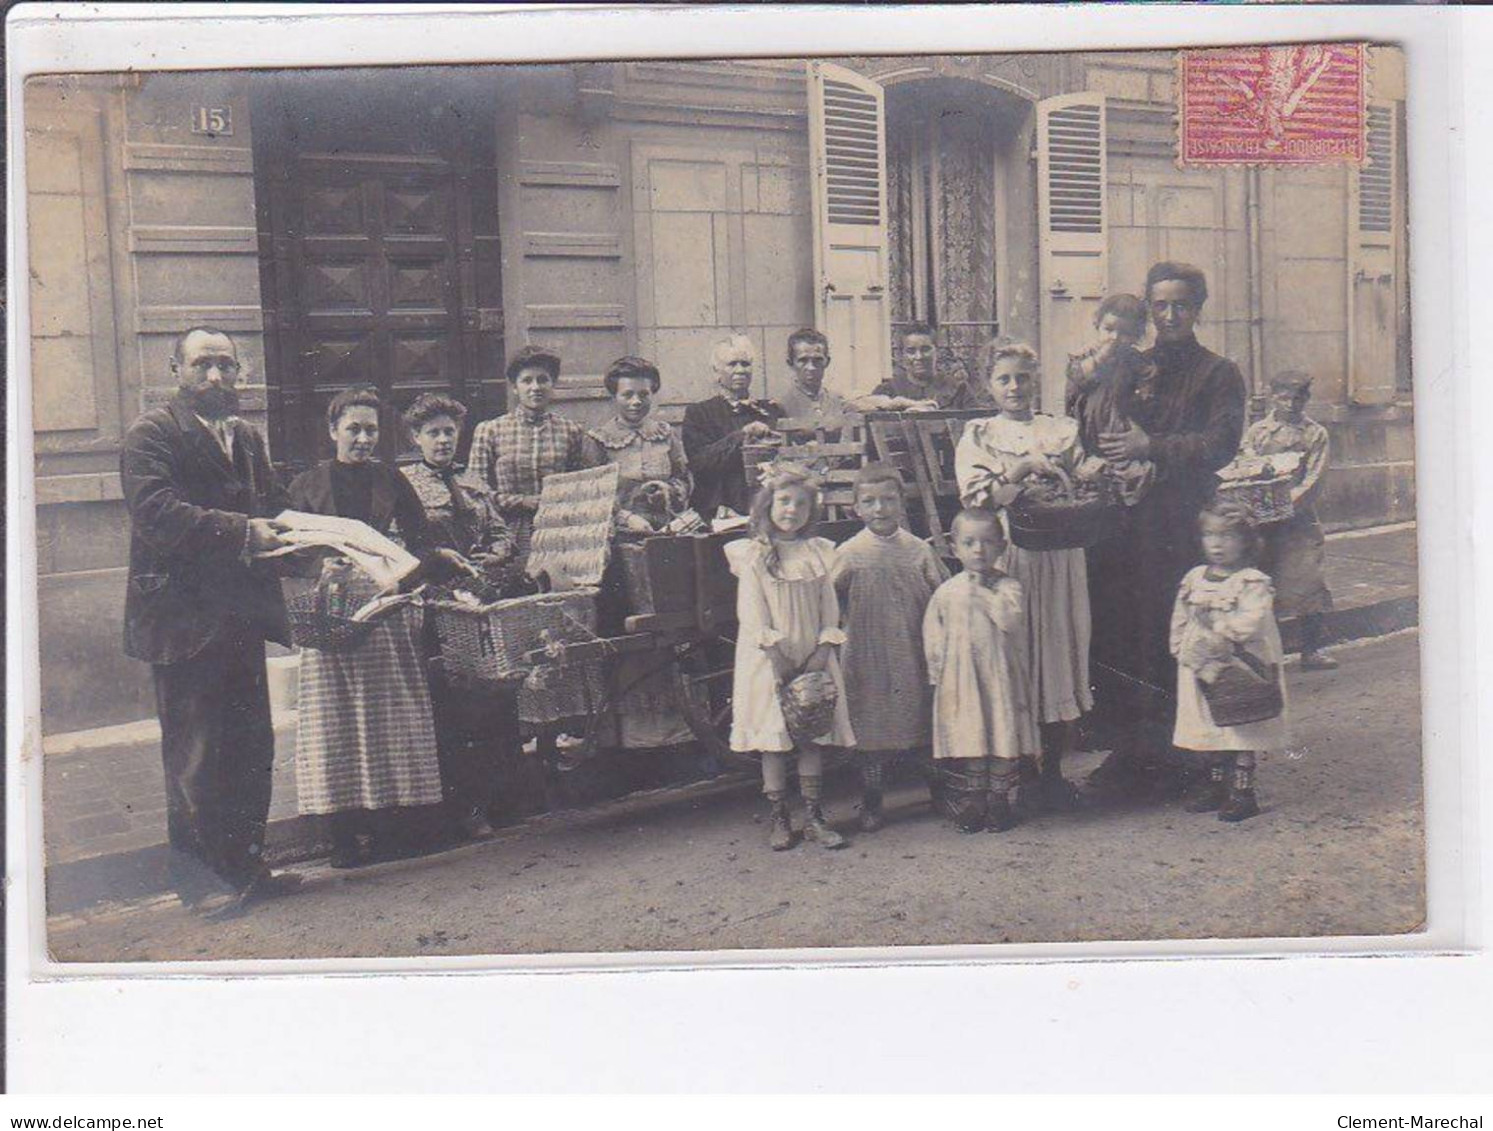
941, 214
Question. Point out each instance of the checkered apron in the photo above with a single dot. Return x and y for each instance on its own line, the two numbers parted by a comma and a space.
365, 738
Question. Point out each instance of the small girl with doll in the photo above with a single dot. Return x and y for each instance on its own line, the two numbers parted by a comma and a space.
1110, 383
1225, 616
996, 460
885, 576
788, 620
975, 643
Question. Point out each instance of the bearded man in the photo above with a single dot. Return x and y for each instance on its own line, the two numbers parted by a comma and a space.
200, 494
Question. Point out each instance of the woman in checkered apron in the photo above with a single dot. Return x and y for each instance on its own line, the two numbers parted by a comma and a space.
365, 739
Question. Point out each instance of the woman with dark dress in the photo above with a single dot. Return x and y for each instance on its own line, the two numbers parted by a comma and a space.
365, 739
1189, 427
476, 727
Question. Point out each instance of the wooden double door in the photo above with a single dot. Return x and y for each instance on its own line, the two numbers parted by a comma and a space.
376, 194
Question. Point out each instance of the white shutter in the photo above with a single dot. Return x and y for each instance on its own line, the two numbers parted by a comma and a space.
1073, 241
1375, 221
847, 139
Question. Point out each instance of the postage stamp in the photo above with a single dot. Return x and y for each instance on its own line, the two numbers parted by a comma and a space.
1276, 105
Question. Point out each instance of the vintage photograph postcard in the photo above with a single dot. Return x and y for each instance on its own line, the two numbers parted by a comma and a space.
725, 504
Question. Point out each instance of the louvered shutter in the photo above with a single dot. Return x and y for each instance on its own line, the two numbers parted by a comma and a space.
847, 136
1376, 222
1073, 241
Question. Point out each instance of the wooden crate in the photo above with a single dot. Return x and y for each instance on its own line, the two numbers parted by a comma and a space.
921, 445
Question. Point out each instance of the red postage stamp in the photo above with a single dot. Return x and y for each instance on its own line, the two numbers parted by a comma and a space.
1287, 105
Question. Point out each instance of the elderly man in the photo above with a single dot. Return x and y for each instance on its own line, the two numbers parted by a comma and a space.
200, 493
716, 429
807, 399
920, 376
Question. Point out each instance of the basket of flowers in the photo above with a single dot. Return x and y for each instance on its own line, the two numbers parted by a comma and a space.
808, 703
1057, 512
1262, 484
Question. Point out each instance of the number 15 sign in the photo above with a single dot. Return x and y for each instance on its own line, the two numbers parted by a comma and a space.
216, 121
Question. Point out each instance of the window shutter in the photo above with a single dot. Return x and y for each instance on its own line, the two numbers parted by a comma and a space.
1376, 221
847, 138
1073, 242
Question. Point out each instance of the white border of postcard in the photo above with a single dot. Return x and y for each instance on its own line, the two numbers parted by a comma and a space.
64, 1009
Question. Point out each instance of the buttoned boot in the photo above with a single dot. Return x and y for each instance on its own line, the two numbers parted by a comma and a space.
816, 828
1242, 803
1209, 792
780, 836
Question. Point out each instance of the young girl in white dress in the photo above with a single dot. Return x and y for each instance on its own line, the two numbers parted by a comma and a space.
788, 622
993, 460
1222, 607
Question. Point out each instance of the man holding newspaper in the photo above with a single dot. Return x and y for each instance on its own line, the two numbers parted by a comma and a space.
198, 609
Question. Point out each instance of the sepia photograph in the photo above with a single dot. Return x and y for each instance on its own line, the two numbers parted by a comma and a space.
687, 506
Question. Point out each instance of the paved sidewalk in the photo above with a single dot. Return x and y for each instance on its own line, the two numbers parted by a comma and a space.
105, 804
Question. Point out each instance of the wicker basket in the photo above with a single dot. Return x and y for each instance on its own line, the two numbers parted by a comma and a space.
321, 618
1061, 525
1269, 500
488, 642
808, 703
1246, 692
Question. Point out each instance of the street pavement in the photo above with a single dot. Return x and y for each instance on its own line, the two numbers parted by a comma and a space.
1339, 849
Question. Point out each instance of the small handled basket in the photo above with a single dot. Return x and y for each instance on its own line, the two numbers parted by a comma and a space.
1245, 692
808, 703
321, 618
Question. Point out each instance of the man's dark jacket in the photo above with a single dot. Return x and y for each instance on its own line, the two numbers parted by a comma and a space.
189, 511
712, 444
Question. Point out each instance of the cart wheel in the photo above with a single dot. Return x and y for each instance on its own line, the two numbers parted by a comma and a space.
702, 692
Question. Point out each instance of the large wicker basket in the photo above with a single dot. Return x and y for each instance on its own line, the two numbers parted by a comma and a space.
487, 644
1063, 525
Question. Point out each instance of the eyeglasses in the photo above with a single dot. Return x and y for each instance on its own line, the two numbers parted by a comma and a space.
224, 365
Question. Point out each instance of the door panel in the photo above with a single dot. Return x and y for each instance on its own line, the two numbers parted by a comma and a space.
378, 234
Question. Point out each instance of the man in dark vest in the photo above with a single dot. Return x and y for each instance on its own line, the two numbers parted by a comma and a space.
715, 430
200, 493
